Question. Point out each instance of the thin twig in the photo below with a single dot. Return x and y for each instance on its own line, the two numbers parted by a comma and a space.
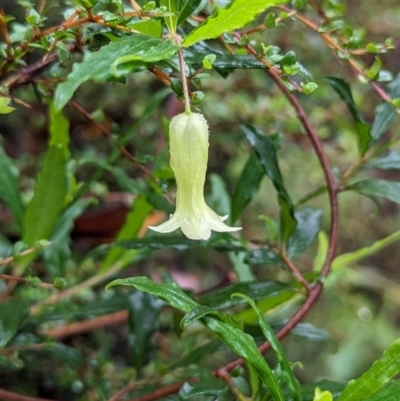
295, 271
184, 81
25, 280
90, 282
333, 44
84, 326
108, 134
31, 347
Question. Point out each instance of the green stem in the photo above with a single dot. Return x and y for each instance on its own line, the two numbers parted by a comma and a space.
184, 82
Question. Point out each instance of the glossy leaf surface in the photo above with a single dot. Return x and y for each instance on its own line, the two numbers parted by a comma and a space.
342, 88
386, 189
380, 373
265, 150
247, 186
98, 66
236, 15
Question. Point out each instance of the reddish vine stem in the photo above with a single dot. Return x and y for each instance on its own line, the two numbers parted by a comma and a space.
11, 396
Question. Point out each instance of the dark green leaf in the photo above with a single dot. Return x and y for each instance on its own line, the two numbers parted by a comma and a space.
100, 66
235, 16
12, 315
48, 200
195, 314
244, 345
389, 392
385, 189
269, 335
58, 254
385, 113
186, 9
307, 229
221, 297
380, 373
342, 88
9, 188
311, 333
207, 385
143, 321
263, 256
247, 186
391, 161
265, 150
170, 293
223, 61
195, 355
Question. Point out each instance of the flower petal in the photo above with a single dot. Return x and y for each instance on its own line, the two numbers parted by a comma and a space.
170, 225
215, 222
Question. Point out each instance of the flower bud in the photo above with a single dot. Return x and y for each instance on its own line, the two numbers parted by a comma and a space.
188, 140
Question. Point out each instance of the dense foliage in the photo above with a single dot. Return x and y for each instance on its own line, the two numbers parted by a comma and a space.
300, 98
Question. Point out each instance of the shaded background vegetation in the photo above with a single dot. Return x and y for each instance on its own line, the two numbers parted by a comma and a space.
359, 309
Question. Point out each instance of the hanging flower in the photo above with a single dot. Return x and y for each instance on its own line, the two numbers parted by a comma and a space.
188, 140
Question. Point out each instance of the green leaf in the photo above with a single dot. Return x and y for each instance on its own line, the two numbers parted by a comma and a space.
144, 310
12, 315
385, 113
322, 395
47, 203
151, 27
241, 343
4, 105
385, 189
101, 65
380, 373
58, 255
389, 392
235, 16
247, 186
195, 314
307, 228
244, 345
269, 334
221, 297
169, 293
59, 129
265, 150
133, 222
224, 61
186, 9
349, 258
195, 355
391, 161
207, 386
263, 256
9, 188
373, 72
342, 88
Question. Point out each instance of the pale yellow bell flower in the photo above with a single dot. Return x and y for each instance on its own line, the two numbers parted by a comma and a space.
188, 141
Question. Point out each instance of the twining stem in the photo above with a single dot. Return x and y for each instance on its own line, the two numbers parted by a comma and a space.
184, 81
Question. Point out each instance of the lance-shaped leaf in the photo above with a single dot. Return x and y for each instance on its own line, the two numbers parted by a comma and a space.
342, 88
383, 188
9, 187
100, 66
247, 186
380, 373
385, 113
241, 343
235, 16
265, 150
